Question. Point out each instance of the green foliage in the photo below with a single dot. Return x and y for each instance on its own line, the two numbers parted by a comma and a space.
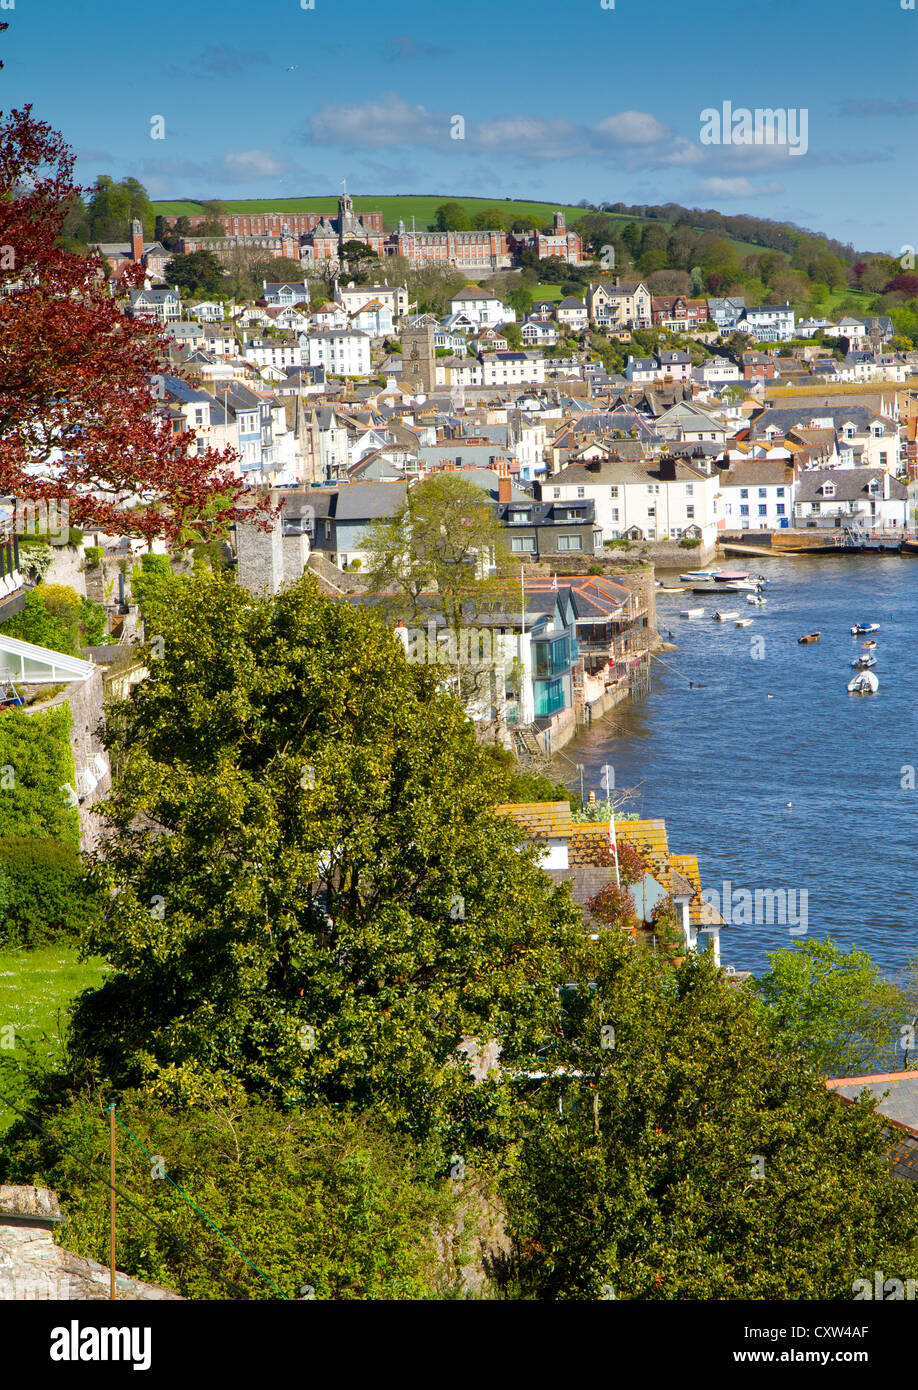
197, 272
114, 205
95, 554
36, 762
318, 1201
690, 542
57, 617
834, 1008
325, 808
688, 1162
149, 578
44, 894
523, 785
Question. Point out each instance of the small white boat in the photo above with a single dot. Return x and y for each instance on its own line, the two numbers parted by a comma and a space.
864, 683
862, 629
863, 663
743, 622
724, 617
692, 613
698, 574
756, 600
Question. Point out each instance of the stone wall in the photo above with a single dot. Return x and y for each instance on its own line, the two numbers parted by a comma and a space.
92, 784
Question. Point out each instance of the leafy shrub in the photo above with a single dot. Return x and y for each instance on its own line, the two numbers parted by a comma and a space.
690, 542
44, 893
36, 761
56, 616
94, 554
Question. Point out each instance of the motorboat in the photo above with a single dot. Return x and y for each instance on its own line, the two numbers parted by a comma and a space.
808, 637
692, 613
724, 617
740, 586
863, 663
756, 600
864, 683
743, 622
862, 629
697, 574
730, 576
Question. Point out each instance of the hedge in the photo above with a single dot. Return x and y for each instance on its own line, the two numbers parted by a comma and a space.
44, 892
36, 761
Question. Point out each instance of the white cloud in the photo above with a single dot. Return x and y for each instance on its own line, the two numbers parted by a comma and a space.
633, 128
538, 137
390, 120
737, 188
252, 164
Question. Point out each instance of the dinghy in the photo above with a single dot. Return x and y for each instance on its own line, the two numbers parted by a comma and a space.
724, 617
862, 629
809, 637
743, 622
692, 613
864, 683
863, 663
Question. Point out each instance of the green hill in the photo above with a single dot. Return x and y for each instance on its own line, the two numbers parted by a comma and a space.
422, 208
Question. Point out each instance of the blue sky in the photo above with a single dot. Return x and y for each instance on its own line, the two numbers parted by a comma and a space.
559, 102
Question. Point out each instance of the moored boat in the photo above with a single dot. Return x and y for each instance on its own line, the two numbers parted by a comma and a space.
698, 574
756, 600
743, 622
808, 637
863, 663
862, 629
864, 683
692, 613
724, 617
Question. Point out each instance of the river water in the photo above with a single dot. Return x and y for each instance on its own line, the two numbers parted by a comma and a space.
768, 722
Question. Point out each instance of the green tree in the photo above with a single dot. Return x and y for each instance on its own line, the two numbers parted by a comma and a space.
834, 1008
197, 272
520, 299
690, 1161
444, 539
296, 929
452, 217
321, 1200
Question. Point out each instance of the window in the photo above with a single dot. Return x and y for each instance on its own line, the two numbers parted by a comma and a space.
763, 492
557, 492
650, 487
744, 511
614, 513
763, 510
690, 511
780, 509
779, 492
613, 491
581, 492
570, 542
522, 545
651, 511
744, 492
689, 489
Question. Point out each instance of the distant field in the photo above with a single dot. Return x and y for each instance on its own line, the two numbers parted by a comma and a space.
422, 208
36, 988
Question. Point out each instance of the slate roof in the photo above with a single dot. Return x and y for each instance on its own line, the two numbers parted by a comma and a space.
850, 484
757, 473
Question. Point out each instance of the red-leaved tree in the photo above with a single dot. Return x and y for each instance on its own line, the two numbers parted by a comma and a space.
81, 420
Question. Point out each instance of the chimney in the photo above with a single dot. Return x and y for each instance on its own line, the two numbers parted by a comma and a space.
594, 466
136, 240
667, 470
503, 489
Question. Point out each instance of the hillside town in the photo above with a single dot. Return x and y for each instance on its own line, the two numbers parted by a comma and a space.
329, 544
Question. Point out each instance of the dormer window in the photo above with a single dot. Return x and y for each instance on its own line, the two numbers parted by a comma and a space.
827, 490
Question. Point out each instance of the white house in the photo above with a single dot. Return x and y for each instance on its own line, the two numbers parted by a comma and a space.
769, 323
329, 316
353, 297
677, 365
277, 295
374, 318
658, 501
867, 497
642, 369
539, 332
717, 371
209, 311
511, 368
573, 313
481, 308
341, 352
757, 495
273, 352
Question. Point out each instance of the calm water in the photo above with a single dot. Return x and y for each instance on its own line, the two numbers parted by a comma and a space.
721, 763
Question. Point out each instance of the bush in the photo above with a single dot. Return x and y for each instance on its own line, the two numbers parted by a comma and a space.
95, 554
690, 542
36, 761
56, 616
44, 893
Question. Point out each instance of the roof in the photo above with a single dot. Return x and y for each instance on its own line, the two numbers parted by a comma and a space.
900, 1106
850, 484
757, 473
542, 820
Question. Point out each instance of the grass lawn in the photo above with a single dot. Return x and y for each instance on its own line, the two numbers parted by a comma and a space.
35, 990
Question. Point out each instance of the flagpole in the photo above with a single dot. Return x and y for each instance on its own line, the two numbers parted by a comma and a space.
523, 596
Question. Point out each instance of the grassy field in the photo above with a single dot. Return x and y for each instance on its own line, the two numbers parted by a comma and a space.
35, 989
421, 208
